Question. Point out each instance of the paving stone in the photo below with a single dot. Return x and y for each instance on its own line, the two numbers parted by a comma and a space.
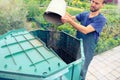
91, 77
110, 77
115, 73
105, 66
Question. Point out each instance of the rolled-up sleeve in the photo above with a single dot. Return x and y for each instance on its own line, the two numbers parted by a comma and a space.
99, 24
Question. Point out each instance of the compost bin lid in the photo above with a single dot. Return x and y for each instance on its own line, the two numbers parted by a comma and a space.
22, 53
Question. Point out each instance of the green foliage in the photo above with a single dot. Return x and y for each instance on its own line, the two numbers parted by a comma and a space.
106, 43
110, 36
40, 18
44, 3
33, 25
33, 8
67, 28
12, 15
74, 11
78, 3
109, 6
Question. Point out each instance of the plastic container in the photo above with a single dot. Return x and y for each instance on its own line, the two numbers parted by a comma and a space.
68, 48
54, 11
30, 56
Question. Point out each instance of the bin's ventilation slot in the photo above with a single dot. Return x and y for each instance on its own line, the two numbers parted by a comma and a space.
42, 61
34, 47
6, 45
36, 50
16, 42
10, 53
23, 50
15, 53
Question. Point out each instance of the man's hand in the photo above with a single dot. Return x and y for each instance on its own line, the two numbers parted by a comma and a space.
67, 18
64, 19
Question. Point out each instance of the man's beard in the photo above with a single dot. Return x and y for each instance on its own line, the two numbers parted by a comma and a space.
93, 10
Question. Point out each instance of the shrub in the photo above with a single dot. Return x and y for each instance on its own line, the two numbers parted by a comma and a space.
12, 15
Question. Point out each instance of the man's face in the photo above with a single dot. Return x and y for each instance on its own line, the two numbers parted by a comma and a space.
96, 5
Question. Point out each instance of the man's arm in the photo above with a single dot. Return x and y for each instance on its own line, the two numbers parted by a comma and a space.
71, 20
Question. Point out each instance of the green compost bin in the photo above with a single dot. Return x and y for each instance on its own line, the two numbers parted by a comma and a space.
40, 55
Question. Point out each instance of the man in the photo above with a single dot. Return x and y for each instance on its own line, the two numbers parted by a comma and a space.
89, 30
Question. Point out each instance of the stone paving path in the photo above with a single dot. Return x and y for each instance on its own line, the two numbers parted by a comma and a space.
105, 66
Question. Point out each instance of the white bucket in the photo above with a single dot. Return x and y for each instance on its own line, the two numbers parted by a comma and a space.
54, 11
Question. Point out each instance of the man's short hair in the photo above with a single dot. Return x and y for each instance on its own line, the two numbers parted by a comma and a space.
104, 1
